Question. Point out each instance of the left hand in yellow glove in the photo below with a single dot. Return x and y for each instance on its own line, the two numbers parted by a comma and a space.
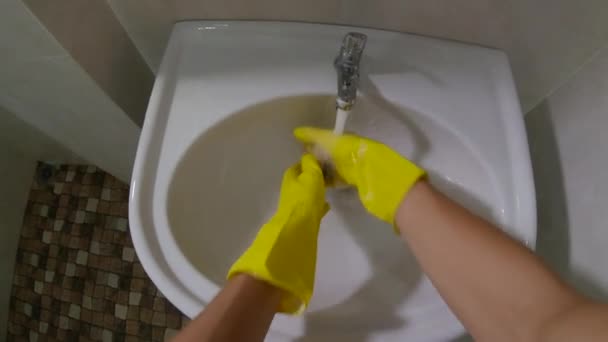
284, 252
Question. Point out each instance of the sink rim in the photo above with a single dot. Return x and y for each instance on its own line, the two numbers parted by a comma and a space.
142, 178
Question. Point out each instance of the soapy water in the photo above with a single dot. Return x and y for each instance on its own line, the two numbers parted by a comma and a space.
332, 179
329, 172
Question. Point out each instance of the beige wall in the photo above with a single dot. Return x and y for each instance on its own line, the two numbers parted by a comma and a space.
16, 175
90, 33
27, 140
567, 136
46, 88
546, 40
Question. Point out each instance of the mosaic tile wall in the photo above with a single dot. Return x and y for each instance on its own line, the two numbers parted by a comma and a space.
77, 276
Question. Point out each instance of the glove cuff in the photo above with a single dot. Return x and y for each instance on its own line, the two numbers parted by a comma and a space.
290, 303
414, 175
283, 258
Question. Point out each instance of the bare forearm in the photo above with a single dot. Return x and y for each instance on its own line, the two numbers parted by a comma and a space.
489, 280
242, 311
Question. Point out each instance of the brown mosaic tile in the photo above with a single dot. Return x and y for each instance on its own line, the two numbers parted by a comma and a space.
124, 209
77, 277
122, 297
103, 207
159, 319
62, 213
138, 285
115, 209
133, 312
108, 320
64, 200
173, 320
159, 304
98, 317
86, 315
138, 270
145, 315
158, 333
99, 291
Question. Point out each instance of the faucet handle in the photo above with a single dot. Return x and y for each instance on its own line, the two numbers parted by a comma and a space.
347, 67
352, 48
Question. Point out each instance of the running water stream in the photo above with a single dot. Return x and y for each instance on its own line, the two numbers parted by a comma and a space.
341, 117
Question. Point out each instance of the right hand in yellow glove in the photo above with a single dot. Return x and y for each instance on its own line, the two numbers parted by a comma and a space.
381, 175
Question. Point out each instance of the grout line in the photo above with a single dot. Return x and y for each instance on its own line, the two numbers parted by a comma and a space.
570, 76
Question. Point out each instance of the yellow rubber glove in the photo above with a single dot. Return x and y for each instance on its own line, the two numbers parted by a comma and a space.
381, 175
284, 252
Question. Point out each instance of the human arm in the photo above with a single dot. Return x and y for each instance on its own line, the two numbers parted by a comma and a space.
242, 311
276, 273
498, 288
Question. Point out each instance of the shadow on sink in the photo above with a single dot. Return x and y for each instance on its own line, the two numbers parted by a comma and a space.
364, 313
374, 306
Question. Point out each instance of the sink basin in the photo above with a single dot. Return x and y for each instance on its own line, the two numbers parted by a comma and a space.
218, 136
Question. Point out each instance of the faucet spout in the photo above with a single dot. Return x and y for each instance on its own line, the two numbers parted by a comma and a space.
347, 67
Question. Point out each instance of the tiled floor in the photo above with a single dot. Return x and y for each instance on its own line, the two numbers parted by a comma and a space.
77, 277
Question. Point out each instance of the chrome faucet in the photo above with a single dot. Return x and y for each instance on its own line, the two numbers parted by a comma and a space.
347, 67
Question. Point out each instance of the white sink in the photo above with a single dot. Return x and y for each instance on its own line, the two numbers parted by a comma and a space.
218, 135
